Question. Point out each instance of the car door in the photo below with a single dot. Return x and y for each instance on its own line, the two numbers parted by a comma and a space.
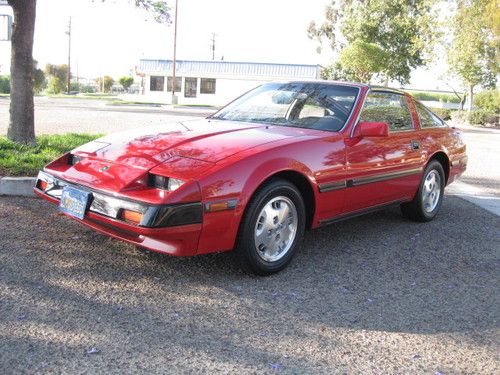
382, 170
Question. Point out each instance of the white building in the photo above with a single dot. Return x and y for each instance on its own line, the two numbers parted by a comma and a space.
213, 82
6, 16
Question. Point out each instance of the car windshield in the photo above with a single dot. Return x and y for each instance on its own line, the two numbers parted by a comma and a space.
321, 106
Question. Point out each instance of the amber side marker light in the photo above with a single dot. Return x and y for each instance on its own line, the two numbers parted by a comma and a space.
131, 216
42, 185
220, 206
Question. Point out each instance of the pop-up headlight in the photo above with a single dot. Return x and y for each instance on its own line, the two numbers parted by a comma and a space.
164, 183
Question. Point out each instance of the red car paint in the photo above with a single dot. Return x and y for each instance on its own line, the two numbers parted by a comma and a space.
222, 161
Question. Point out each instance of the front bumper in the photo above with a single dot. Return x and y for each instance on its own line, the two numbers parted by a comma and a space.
171, 229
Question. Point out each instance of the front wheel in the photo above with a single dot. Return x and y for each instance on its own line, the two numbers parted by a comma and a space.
425, 206
272, 228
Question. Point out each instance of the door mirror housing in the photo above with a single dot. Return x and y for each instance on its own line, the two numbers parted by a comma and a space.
371, 129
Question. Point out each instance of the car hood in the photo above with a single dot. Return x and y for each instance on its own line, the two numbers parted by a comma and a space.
205, 140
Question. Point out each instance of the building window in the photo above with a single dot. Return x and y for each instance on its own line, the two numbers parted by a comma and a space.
156, 83
190, 87
178, 84
207, 85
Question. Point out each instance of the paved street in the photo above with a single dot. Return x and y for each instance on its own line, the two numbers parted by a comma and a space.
376, 294
62, 115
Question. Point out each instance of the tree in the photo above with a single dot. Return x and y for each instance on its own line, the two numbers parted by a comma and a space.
55, 86
39, 82
105, 83
473, 53
126, 82
404, 30
363, 59
58, 77
22, 118
21, 123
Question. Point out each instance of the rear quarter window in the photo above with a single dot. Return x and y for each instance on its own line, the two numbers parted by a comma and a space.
427, 118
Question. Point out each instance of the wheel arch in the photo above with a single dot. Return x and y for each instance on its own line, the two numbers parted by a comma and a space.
302, 183
444, 160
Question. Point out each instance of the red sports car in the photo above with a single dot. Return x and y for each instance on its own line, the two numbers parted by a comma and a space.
252, 177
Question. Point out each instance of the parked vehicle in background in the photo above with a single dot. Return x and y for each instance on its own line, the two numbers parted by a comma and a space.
282, 158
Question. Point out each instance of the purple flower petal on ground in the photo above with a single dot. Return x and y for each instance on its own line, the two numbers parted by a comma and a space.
276, 366
92, 351
22, 317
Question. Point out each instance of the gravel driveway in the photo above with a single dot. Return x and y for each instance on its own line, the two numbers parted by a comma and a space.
376, 294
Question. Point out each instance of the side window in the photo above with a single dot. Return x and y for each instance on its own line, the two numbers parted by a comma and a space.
427, 118
387, 107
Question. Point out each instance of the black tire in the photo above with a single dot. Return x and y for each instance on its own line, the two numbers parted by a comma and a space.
419, 208
282, 196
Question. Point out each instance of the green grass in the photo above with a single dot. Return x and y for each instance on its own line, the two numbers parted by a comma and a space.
195, 105
22, 160
131, 102
83, 96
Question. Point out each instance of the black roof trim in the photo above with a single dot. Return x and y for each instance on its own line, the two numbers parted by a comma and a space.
386, 89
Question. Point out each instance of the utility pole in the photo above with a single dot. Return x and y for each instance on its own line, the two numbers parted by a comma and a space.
69, 55
174, 98
212, 46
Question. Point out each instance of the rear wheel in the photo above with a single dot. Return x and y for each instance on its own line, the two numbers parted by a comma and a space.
427, 202
272, 228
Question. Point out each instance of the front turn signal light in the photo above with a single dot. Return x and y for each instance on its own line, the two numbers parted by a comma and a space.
131, 216
42, 185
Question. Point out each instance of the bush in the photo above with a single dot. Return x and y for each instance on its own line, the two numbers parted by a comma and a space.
74, 86
87, 89
434, 96
444, 113
4, 85
478, 117
488, 100
459, 116
55, 85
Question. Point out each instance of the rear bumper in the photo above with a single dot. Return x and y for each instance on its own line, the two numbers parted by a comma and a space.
180, 240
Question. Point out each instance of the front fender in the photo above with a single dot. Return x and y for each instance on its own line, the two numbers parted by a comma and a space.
239, 181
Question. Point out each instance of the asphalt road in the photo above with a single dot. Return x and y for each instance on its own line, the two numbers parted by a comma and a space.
62, 115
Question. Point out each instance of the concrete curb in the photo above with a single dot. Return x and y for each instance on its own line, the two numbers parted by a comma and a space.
18, 186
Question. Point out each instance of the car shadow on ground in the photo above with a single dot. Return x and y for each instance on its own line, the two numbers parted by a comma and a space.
66, 287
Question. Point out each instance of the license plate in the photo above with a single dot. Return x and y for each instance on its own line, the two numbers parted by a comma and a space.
74, 202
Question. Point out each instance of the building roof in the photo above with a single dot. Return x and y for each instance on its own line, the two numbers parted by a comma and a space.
246, 70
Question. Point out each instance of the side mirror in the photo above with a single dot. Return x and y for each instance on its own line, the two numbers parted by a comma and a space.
371, 129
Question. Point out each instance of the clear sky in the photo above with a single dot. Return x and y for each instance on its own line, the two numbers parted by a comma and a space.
110, 37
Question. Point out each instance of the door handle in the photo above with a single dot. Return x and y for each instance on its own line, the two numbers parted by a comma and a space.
415, 145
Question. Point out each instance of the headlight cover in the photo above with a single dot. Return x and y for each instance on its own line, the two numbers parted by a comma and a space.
164, 183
